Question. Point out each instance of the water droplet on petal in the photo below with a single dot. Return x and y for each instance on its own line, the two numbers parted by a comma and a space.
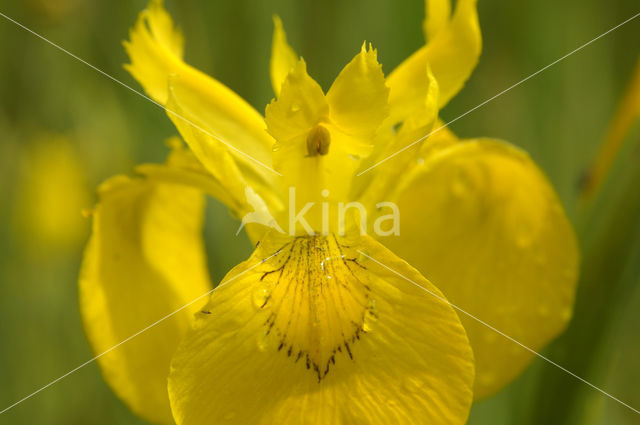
543, 310
420, 161
263, 341
370, 317
413, 384
461, 184
295, 107
261, 296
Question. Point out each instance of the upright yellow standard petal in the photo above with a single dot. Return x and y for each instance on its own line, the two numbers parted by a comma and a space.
391, 154
283, 57
322, 139
358, 98
452, 53
482, 222
310, 331
300, 105
144, 261
155, 50
438, 14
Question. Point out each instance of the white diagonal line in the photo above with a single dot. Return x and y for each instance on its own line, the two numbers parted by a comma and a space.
502, 333
502, 92
133, 336
139, 93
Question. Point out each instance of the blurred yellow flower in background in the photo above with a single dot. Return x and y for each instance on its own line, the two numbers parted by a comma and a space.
50, 195
317, 327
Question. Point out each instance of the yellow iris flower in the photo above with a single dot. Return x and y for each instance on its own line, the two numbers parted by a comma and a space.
324, 327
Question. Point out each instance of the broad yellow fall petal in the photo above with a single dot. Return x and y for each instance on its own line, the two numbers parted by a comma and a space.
283, 57
358, 98
145, 260
452, 55
155, 51
481, 221
311, 331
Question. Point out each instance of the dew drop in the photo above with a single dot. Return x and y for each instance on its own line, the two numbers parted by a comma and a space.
461, 184
543, 311
523, 241
569, 274
355, 157
392, 403
370, 317
263, 341
261, 296
490, 337
295, 107
540, 260
413, 384
420, 161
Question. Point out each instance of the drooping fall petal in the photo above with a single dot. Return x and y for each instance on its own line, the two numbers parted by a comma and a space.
309, 330
492, 234
145, 260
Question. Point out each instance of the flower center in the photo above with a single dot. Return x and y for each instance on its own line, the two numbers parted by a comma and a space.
318, 141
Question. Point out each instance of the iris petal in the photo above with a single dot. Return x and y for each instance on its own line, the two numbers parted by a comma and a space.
283, 57
145, 260
482, 222
310, 331
155, 50
452, 53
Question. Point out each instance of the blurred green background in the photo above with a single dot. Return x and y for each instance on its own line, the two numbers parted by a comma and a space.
64, 128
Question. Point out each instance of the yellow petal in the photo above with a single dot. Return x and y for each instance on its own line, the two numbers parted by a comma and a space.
291, 119
438, 14
358, 98
300, 105
216, 109
309, 331
482, 222
452, 55
402, 150
184, 168
218, 161
145, 260
155, 49
319, 148
283, 57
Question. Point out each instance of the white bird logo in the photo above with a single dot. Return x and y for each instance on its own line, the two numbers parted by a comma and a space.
260, 213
